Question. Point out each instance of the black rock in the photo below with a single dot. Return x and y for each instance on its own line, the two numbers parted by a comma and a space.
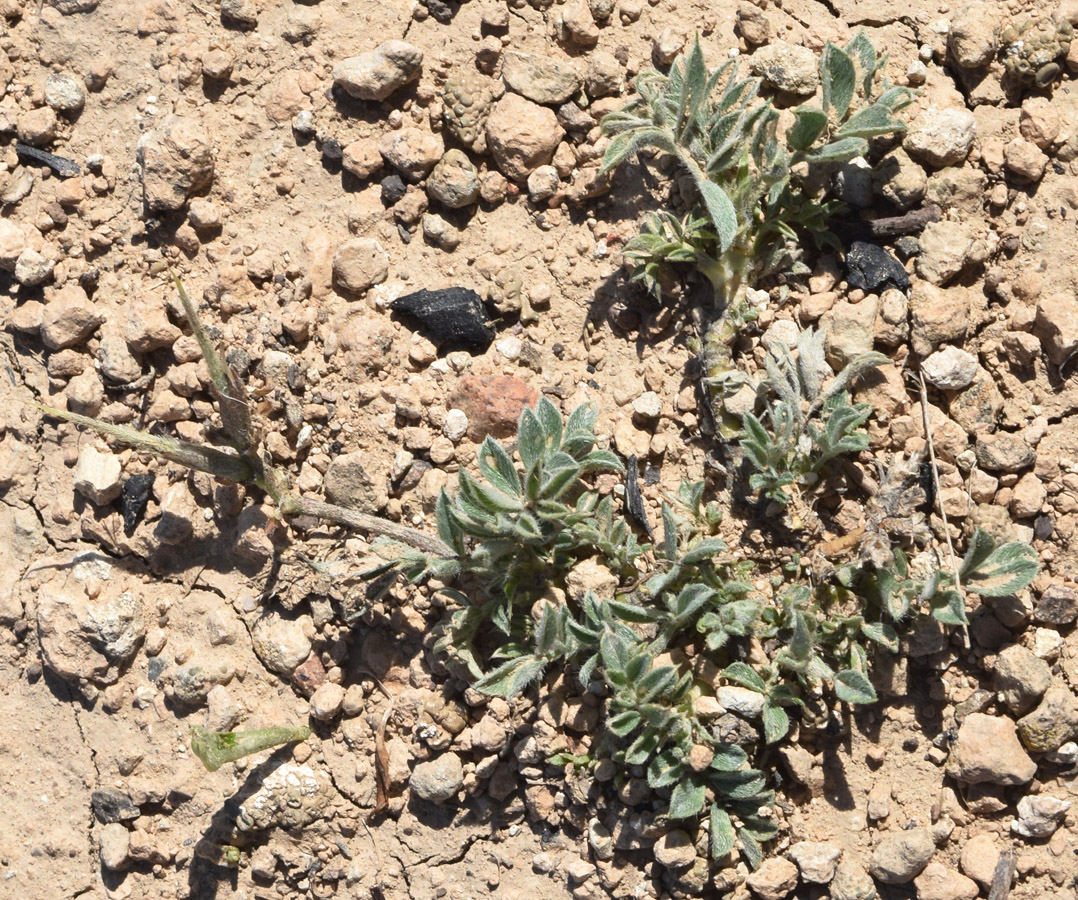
907, 247
332, 150
133, 500
441, 11
392, 189
1058, 606
872, 269
112, 805
453, 316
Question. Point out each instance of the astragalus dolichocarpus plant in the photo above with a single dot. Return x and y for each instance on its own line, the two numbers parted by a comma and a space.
748, 176
243, 459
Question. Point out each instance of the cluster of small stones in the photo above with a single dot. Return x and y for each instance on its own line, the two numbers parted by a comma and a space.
1031, 50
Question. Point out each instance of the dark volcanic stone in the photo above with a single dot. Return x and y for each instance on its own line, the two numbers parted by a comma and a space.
906, 247
872, 269
1058, 606
392, 189
441, 11
112, 805
136, 494
453, 316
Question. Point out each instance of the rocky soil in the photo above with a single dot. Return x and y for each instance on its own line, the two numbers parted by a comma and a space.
302, 165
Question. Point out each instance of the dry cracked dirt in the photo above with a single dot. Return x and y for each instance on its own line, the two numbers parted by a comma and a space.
300, 165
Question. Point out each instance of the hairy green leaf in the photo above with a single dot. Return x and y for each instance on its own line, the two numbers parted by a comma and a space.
852, 686
687, 799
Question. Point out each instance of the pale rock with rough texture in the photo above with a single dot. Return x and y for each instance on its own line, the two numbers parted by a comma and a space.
675, 850
974, 35
849, 330
666, 45
1053, 723
901, 856
1040, 122
900, 180
746, 703
522, 136
439, 779
98, 475
1057, 326
1028, 496
817, 860
945, 247
941, 137
65, 92
853, 182
754, 25
176, 161
454, 181
787, 67
950, 368
441, 232
359, 264
852, 882
543, 184
362, 158
987, 750
940, 882
775, 879
541, 79
377, 74
604, 76
1021, 678
412, 151
1039, 816
648, 406
87, 639
980, 854
114, 846
326, 701
1024, 160
578, 24
13, 240
281, 644
591, 575
1003, 452
937, 316
38, 127
33, 268
456, 425
70, 317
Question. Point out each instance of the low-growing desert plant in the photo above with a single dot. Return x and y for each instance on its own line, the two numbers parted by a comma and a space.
676, 620
750, 181
810, 423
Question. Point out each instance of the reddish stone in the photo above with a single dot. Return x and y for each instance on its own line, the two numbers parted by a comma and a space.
309, 676
492, 403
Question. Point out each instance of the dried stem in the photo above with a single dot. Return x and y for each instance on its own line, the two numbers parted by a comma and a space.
291, 505
939, 497
203, 459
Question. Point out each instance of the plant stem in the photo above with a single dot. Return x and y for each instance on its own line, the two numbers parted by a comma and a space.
290, 505
203, 459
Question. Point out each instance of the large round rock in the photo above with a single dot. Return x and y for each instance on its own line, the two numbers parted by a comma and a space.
522, 136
